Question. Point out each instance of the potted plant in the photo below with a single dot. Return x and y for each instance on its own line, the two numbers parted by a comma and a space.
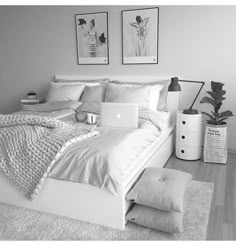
215, 142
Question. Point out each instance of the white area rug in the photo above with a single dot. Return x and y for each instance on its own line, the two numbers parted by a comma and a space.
25, 224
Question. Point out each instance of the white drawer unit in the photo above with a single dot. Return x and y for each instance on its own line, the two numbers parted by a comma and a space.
188, 136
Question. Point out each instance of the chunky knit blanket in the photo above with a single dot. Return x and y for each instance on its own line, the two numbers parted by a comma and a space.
30, 145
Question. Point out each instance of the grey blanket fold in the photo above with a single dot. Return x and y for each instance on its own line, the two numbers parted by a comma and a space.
30, 145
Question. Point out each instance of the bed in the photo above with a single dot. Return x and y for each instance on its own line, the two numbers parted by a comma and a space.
89, 203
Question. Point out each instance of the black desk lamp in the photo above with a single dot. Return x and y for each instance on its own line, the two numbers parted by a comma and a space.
175, 87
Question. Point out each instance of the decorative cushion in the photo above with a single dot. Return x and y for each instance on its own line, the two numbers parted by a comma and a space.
65, 93
93, 94
161, 188
128, 94
162, 104
167, 221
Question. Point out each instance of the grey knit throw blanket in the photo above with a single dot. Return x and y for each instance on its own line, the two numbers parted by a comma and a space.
30, 145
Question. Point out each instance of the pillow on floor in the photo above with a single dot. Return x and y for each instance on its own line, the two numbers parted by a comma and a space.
116, 93
166, 221
93, 94
161, 188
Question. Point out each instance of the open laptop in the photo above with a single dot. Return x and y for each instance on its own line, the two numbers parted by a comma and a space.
121, 115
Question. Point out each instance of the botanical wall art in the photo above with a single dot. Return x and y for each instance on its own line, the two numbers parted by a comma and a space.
140, 36
92, 38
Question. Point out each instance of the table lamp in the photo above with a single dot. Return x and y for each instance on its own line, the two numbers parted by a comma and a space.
175, 87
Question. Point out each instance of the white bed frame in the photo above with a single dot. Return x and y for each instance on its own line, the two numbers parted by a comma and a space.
83, 201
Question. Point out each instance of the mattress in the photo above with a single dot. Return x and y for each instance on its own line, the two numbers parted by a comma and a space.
138, 165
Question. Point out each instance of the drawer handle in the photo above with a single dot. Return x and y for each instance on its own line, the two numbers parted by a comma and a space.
182, 151
183, 137
183, 122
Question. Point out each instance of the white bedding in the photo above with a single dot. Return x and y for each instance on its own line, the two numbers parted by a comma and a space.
105, 160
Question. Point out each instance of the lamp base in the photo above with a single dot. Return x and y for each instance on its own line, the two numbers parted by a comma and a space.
190, 111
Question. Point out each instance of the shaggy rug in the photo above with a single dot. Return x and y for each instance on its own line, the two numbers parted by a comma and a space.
24, 224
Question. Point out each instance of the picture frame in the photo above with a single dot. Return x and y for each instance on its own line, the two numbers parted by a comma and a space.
92, 38
140, 34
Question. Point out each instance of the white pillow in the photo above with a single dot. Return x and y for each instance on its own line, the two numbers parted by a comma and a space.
162, 104
154, 96
161, 188
116, 93
65, 93
154, 93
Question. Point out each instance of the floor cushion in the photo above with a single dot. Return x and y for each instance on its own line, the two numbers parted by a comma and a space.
167, 221
161, 188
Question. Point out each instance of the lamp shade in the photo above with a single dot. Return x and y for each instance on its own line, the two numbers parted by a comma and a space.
174, 85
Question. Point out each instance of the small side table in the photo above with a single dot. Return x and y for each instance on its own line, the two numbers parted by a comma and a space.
188, 136
27, 107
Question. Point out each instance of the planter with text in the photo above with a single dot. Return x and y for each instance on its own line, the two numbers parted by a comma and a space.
215, 145
215, 142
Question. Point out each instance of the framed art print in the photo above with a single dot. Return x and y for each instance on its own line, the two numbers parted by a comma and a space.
92, 38
140, 36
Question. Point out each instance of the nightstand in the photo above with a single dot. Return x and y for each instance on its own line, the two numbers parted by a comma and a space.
28, 107
188, 136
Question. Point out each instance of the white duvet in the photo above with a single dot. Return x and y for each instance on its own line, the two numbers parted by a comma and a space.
104, 160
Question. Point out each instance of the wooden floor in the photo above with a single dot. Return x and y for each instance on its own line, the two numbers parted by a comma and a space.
222, 220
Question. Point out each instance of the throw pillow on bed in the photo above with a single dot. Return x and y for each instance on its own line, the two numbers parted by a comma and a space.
161, 188
167, 221
93, 94
161, 104
128, 94
65, 93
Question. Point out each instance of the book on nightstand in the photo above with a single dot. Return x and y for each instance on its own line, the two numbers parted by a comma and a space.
30, 101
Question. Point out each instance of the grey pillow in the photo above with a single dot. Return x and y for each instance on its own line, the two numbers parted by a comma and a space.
93, 94
128, 94
162, 104
167, 221
161, 188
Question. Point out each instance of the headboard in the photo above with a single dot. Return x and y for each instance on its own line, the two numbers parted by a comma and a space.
172, 98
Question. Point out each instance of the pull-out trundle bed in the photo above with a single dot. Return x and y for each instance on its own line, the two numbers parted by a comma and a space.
89, 203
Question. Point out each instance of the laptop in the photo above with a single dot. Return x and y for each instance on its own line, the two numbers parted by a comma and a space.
120, 115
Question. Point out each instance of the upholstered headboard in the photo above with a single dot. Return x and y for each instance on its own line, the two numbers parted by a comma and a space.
172, 98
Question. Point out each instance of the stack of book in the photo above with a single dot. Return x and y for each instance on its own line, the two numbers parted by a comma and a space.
27, 101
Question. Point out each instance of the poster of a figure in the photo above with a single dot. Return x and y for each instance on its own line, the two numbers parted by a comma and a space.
92, 38
140, 36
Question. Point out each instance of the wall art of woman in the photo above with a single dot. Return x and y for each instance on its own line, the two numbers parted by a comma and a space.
93, 40
142, 31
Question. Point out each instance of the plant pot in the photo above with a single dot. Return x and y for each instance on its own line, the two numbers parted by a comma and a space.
215, 144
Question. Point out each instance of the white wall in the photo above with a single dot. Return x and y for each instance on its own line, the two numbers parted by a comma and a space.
195, 42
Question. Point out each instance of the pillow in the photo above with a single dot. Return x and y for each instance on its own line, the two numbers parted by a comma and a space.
155, 92
162, 104
153, 95
93, 94
65, 93
161, 188
167, 221
128, 94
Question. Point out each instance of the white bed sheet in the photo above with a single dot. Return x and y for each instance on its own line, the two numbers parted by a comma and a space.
109, 159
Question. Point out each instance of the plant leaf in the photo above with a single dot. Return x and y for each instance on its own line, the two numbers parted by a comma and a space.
216, 95
219, 121
217, 107
226, 114
209, 115
216, 86
208, 100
